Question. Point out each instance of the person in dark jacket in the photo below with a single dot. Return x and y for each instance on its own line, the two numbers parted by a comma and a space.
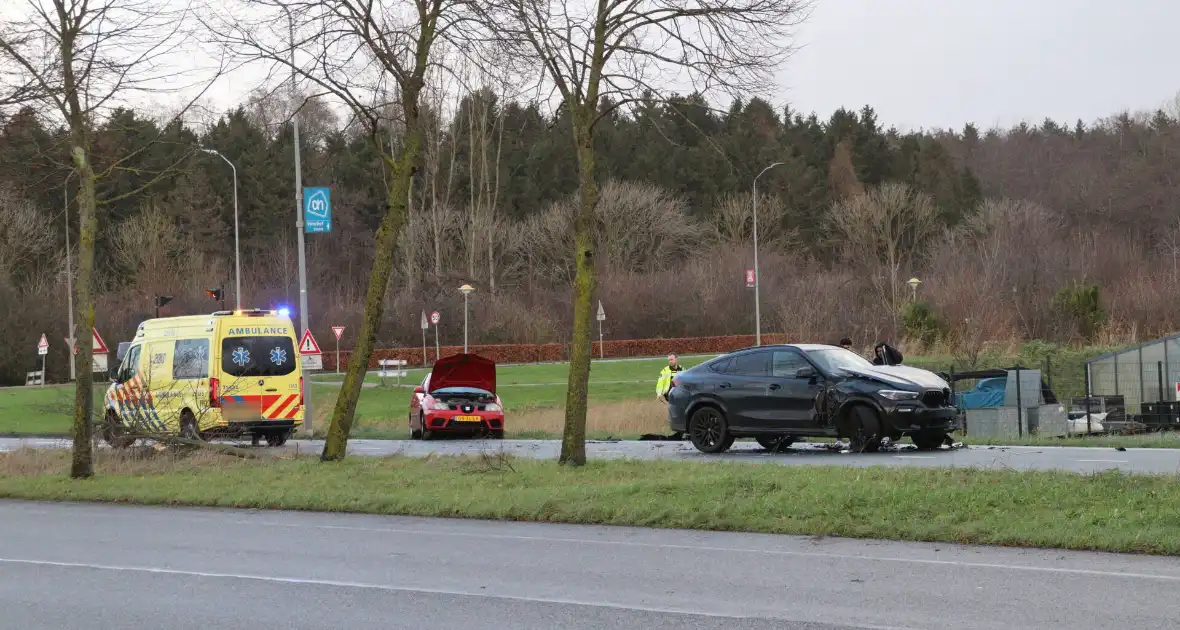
885, 354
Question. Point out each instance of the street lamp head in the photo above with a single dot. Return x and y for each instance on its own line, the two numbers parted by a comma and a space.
466, 289
914, 282
209, 151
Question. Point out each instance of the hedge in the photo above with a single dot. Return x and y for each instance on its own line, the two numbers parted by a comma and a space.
554, 352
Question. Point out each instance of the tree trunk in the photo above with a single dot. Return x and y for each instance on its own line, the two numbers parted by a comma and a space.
82, 465
336, 444
573, 442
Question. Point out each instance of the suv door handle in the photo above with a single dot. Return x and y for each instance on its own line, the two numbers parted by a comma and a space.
774, 387
724, 386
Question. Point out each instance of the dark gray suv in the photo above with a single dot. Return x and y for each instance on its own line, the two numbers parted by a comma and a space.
777, 394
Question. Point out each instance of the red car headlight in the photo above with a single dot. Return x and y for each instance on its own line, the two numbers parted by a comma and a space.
493, 407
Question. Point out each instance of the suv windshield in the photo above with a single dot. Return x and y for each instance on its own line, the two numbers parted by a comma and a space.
837, 359
258, 356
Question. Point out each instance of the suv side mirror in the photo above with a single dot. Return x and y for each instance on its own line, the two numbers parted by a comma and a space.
805, 372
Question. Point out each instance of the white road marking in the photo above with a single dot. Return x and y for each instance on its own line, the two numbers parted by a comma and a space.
391, 588
1103, 461
913, 456
762, 551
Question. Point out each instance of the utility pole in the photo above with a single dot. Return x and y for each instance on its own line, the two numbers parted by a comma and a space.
303, 324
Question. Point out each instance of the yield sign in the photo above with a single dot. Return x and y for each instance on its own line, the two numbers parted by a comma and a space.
44, 343
338, 331
308, 345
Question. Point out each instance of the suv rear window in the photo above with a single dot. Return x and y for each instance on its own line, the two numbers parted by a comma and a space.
258, 356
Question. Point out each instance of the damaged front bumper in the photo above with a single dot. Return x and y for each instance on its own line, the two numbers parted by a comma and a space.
911, 418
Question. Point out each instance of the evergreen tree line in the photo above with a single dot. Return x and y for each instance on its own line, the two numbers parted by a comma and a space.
1062, 232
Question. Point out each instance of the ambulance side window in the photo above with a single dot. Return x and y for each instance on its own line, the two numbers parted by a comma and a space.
130, 365
190, 360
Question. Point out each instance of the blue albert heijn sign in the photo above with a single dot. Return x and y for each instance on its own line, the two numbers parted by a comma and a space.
317, 210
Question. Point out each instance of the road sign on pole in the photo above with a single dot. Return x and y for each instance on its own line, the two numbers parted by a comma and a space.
43, 349
317, 210
98, 358
425, 325
435, 318
339, 332
309, 352
601, 317
751, 278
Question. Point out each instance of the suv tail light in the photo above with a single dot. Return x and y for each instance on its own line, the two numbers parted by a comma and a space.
214, 393
674, 383
300, 391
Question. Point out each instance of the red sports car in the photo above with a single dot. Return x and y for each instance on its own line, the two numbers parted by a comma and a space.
458, 397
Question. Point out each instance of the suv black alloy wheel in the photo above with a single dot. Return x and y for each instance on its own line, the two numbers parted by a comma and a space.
709, 432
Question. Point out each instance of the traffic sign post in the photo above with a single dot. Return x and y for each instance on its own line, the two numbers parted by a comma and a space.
339, 332
309, 352
309, 355
435, 318
43, 350
425, 325
601, 317
317, 210
751, 279
98, 358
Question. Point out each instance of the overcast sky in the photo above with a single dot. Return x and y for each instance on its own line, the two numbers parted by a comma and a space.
940, 63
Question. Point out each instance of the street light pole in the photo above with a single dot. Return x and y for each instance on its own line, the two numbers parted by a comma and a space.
237, 242
303, 315
758, 276
466, 290
69, 279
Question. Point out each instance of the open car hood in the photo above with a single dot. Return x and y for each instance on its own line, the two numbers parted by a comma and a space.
463, 370
900, 376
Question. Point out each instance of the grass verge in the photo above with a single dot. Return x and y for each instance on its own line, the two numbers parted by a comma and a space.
1108, 511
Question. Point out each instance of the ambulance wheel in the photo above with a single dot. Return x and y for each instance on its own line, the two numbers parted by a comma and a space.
188, 426
114, 433
277, 439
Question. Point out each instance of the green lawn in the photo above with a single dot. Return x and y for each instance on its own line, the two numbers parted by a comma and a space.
382, 410
40, 410
49, 410
1109, 511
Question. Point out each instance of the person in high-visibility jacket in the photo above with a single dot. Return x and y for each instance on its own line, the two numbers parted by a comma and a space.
664, 384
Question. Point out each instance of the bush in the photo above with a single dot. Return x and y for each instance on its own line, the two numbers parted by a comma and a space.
921, 323
1080, 306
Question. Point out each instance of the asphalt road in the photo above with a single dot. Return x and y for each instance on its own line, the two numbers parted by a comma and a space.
1075, 459
91, 567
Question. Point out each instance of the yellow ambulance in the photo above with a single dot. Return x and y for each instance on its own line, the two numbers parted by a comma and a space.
231, 374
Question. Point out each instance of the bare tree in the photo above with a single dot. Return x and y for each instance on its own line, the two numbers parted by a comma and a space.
374, 57
885, 228
25, 234
79, 59
733, 224
618, 51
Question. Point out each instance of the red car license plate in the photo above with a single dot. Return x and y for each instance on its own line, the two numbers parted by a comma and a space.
468, 419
